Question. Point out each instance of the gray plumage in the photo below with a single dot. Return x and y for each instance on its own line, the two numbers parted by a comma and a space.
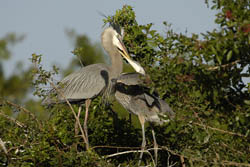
87, 83
94, 79
135, 98
130, 79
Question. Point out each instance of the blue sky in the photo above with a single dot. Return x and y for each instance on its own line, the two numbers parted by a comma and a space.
44, 23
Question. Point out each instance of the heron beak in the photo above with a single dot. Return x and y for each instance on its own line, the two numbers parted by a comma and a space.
123, 51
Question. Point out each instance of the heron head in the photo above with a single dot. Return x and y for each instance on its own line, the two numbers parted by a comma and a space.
117, 41
112, 42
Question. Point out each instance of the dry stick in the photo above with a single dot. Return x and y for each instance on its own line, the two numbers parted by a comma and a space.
220, 130
239, 152
199, 119
227, 163
76, 124
3, 146
223, 66
216, 129
25, 110
180, 155
70, 106
12, 119
79, 124
169, 160
132, 151
182, 161
115, 147
172, 152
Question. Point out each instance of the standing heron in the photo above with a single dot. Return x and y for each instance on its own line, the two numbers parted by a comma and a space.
95, 79
135, 98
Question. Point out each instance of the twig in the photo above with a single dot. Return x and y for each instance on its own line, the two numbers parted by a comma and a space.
223, 66
225, 145
132, 151
124, 152
115, 147
229, 163
201, 123
225, 163
12, 119
3, 146
220, 130
70, 106
182, 161
179, 155
80, 60
168, 164
61, 94
25, 110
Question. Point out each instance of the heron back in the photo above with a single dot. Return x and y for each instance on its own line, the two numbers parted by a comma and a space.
86, 83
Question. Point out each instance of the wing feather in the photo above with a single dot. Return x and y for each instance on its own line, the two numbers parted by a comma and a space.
84, 84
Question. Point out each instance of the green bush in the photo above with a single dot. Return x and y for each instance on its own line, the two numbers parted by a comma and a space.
200, 76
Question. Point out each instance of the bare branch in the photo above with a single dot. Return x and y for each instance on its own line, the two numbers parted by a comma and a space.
219, 130
26, 111
223, 162
12, 119
132, 151
229, 163
36, 62
70, 106
168, 164
3, 146
116, 147
223, 66
182, 161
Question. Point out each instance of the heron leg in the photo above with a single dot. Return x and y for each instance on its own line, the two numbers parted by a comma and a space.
142, 121
87, 104
130, 120
78, 117
155, 146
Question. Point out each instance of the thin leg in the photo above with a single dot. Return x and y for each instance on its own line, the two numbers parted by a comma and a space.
155, 146
142, 121
87, 104
76, 124
130, 120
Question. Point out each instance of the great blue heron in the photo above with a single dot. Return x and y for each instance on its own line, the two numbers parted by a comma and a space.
136, 98
95, 79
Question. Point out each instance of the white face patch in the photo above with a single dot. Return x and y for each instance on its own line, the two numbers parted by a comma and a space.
138, 68
116, 41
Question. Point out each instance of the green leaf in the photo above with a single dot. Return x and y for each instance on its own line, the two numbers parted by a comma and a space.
247, 102
229, 55
214, 50
218, 58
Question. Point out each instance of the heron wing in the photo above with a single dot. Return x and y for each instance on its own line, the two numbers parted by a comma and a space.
165, 108
130, 79
86, 83
149, 99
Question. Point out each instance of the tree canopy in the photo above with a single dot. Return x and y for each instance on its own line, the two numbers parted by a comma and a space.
199, 75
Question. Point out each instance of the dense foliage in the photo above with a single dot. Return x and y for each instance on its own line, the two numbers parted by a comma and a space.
199, 75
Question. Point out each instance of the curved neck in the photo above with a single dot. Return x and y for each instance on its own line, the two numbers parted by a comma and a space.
116, 63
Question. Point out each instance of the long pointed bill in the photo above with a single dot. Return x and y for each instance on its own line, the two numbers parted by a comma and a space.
123, 51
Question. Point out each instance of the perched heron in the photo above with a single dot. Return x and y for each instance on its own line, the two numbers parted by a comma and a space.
134, 97
95, 79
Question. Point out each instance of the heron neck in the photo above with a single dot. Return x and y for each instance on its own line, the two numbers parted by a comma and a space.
116, 64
